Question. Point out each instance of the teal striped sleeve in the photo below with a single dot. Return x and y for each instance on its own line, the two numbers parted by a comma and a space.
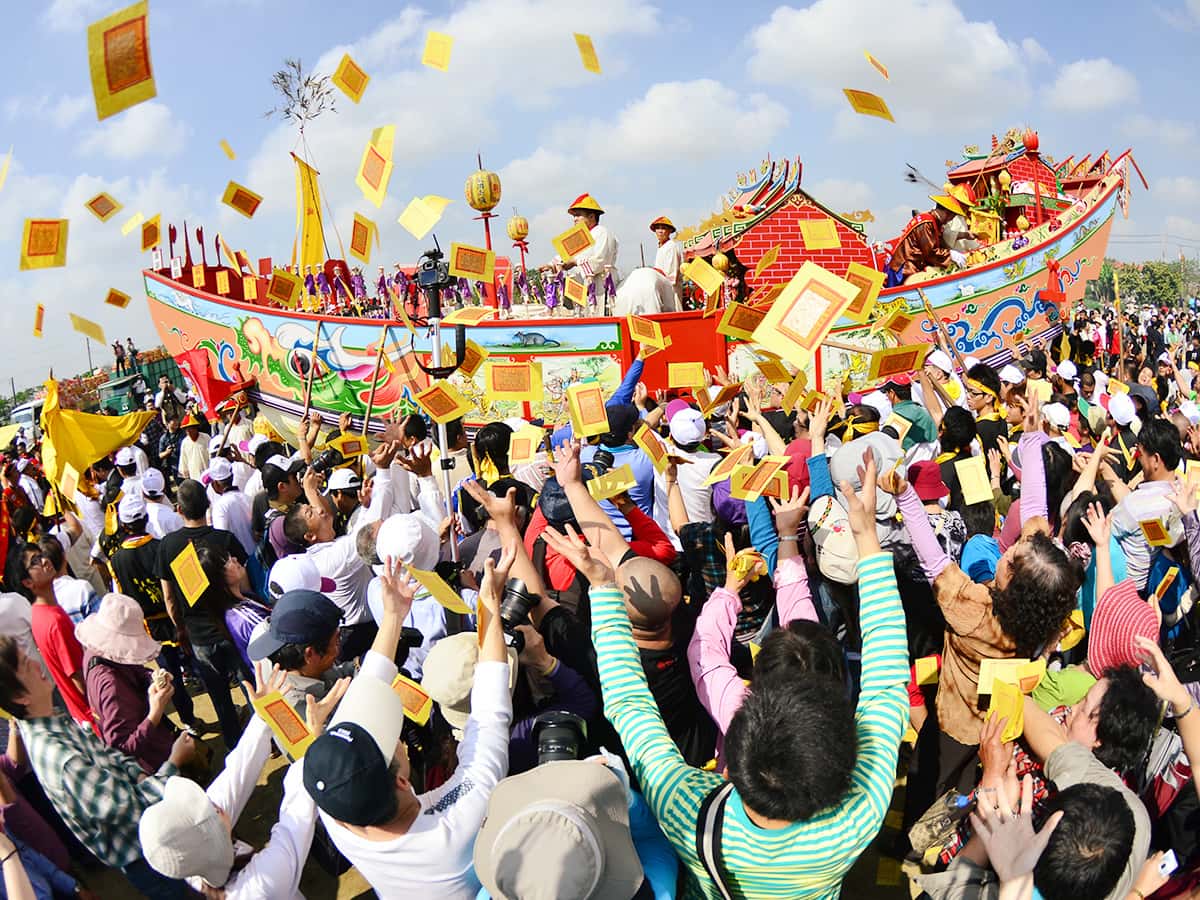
883, 700
673, 789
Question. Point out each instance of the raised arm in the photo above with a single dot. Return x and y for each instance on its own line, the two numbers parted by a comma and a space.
597, 527
929, 552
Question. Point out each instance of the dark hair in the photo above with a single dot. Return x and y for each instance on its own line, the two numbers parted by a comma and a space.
213, 561
22, 563
294, 526
10, 683
1086, 854
985, 375
958, 429
1087, 349
192, 499
493, 441
792, 748
903, 391
265, 451
1060, 477
1126, 719
415, 428
1073, 529
1040, 593
800, 648
454, 431
980, 518
51, 548
863, 413
23, 518
1160, 437
290, 657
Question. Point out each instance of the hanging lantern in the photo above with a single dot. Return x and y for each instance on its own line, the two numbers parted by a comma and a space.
518, 228
483, 191
1005, 180
1030, 140
1022, 223
720, 262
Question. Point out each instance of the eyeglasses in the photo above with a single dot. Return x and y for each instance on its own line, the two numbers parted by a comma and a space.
971, 392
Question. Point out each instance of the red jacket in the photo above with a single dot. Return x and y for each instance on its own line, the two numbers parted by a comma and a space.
648, 541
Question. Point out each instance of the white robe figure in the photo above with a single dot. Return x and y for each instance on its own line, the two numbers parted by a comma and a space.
950, 236
667, 260
598, 259
645, 291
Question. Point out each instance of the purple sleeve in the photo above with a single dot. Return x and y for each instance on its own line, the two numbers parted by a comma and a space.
572, 693
1191, 530
1033, 476
933, 558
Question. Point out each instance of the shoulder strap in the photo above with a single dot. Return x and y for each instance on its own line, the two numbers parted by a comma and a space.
708, 835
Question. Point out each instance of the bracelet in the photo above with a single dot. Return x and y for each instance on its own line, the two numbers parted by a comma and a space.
1134, 890
11, 854
1178, 716
789, 537
676, 481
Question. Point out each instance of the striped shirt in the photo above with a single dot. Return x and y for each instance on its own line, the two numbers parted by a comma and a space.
805, 859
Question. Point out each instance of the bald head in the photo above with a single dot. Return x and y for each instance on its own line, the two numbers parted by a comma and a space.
652, 591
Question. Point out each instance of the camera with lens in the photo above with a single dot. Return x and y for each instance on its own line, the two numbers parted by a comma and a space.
559, 735
433, 270
327, 460
601, 462
515, 607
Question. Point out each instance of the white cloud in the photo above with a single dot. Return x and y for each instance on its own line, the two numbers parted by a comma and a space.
819, 50
1090, 85
1172, 132
1178, 191
841, 194
147, 130
1181, 227
1034, 51
70, 15
61, 112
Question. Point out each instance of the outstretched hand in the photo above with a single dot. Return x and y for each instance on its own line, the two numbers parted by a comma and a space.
317, 712
790, 513
567, 467
588, 560
1013, 846
397, 589
860, 506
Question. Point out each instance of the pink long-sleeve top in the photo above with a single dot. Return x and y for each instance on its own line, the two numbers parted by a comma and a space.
718, 685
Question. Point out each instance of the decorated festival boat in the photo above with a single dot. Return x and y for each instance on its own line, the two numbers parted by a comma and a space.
1043, 229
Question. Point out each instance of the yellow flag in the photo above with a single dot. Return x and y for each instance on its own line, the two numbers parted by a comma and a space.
119, 60
308, 215
88, 328
78, 439
351, 78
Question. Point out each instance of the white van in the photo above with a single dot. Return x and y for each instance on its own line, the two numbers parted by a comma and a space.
29, 415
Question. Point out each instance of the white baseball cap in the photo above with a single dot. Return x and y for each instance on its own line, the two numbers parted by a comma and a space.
688, 426
1057, 415
343, 480
1067, 370
1010, 374
153, 482
220, 469
214, 444
409, 538
941, 360
131, 508
249, 446
1120, 407
297, 573
125, 457
284, 464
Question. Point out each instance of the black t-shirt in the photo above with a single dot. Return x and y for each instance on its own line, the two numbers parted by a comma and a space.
135, 568
202, 625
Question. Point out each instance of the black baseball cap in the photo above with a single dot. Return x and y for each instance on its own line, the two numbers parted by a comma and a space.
347, 777
1035, 362
299, 617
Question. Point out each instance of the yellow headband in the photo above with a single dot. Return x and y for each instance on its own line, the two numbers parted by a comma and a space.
856, 427
982, 388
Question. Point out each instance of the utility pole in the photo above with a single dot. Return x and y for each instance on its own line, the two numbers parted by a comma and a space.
88, 343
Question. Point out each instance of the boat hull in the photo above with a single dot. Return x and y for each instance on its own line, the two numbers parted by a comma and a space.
986, 309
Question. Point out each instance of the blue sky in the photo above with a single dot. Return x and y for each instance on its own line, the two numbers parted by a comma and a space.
689, 97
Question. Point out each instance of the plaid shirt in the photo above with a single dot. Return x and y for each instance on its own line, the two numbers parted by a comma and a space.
95, 788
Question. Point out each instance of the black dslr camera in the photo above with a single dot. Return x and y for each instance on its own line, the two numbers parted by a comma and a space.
515, 607
559, 735
326, 461
433, 270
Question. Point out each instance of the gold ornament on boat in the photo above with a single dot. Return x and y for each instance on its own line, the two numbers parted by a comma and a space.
1022, 223
483, 191
720, 262
518, 228
860, 216
1005, 180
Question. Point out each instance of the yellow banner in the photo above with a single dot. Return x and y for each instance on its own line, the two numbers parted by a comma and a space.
311, 251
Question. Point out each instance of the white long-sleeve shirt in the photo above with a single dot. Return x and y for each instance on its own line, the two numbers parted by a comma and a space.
275, 870
600, 255
232, 511
667, 259
434, 859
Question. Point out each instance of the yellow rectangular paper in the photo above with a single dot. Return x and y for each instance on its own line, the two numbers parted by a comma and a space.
88, 328
227, 149
574, 240
119, 60
437, 51
703, 274
587, 52
879, 67
442, 401
761, 476
285, 723
1155, 533
723, 396
222, 282
774, 371
375, 167
189, 574
767, 260
926, 670
1008, 703
198, 275
131, 223
421, 214
4, 168
39, 319
417, 704
585, 403
740, 321
284, 288
151, 232
474, 357
899, 423
469, 315
69, 482
120, 299
743, 455
472, 263
350, 78
361, 231
1024, 673
795, 391
44, 244
898, 322
440, 591
896, 361
800, 319
645, 331
685, 374
1039, 389
651, 444
973, 480
241, 199
820, 234
524, 445
613, 482
867, 104
519, 381
103, 206
869, 282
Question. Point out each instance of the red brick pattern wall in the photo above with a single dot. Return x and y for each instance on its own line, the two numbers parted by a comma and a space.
783, 227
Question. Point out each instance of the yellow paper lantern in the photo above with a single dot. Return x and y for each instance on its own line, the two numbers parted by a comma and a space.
1005, 180
720, 262
518, 228
1022, 223
483, 191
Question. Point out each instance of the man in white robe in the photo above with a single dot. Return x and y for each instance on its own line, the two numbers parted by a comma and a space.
669, 258
592, 264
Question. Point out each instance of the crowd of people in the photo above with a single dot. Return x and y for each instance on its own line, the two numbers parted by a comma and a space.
977, 580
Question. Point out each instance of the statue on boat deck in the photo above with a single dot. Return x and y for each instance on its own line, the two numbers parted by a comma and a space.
596, 264
921, 245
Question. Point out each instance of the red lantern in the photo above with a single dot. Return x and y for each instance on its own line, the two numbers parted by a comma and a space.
1030, 140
